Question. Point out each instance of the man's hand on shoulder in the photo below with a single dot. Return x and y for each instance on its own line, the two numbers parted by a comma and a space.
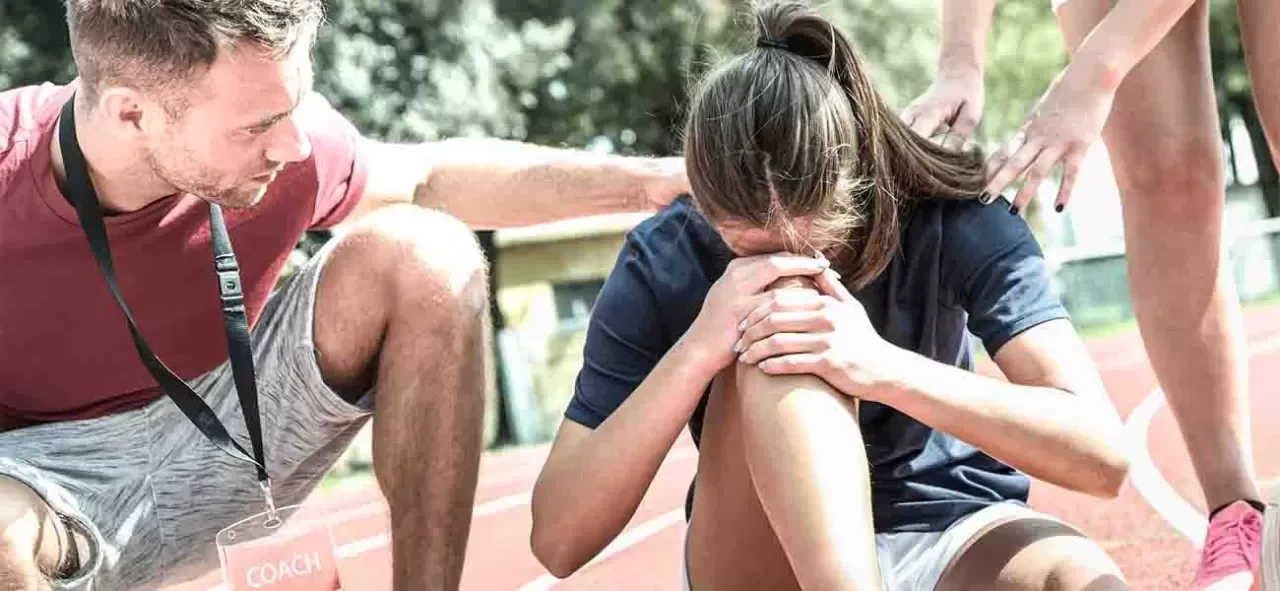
670, 180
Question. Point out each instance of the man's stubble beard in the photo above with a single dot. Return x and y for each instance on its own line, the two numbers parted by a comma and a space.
239, 197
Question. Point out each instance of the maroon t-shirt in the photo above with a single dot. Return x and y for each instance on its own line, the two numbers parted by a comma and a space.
65, 349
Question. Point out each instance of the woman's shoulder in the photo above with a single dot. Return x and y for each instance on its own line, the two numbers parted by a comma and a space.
677, 238
679, 221
963, 226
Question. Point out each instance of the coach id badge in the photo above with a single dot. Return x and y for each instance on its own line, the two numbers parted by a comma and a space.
282, 549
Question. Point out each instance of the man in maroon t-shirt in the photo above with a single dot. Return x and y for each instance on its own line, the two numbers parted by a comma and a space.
103, 481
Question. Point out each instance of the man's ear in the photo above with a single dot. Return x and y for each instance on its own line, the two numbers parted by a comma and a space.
127, 113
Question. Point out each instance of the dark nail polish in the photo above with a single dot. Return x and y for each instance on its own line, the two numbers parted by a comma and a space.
1013, 210
1058, 208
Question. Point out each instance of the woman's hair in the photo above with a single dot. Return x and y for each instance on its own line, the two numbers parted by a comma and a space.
794, 127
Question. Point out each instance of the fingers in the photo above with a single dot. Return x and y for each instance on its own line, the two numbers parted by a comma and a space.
1035, 174
781, 300
783, 344
1010, 162
966, 121
829, 284
778, 322
800, 363
760, 272
927, 121
960, 127
1070, 168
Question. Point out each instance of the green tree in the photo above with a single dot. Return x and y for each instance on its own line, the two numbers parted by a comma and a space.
33, 43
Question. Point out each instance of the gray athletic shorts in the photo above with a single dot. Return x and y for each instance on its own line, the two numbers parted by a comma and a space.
915, 561
148, 493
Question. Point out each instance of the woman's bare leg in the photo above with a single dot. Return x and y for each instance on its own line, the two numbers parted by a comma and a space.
1165, 149
1259, 20
783, 491
1166, 152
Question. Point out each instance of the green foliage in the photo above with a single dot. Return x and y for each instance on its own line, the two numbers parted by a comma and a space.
1024, 54
33, 43
419, 70
617, 82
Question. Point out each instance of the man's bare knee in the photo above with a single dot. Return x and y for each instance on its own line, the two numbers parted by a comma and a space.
421, 248
30, 536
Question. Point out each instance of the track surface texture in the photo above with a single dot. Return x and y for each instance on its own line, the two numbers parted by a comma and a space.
1152, 530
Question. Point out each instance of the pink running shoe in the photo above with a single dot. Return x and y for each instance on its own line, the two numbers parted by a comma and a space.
1232, 550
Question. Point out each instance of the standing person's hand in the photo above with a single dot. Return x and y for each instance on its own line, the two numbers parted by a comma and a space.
1066, 121
953, 103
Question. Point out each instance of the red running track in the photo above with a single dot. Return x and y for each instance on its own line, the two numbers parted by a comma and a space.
1152, 551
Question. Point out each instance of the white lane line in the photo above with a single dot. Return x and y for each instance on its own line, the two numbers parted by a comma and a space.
628, 539
369, 544
1148, 481
372, 543
1145, 475
502, 504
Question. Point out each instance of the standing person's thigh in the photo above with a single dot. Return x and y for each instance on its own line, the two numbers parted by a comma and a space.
306, 427
1259, 20
1162, 131
1032, 553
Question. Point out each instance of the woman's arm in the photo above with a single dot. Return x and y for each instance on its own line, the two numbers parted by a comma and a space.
1070, 115
955, 99
593, 480
1052, 419
1124, 37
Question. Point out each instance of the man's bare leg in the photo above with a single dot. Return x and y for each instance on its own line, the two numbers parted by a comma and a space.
783, 495
402, 307
31, 538
1165, 149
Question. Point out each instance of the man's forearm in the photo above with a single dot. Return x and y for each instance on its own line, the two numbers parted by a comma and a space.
1050, 434
965, 26
489, 183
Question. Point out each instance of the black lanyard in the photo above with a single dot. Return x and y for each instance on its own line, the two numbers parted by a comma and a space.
85, 199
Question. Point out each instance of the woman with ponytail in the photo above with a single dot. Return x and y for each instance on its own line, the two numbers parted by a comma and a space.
804, 312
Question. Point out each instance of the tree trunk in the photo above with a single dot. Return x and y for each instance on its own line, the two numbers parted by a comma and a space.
1268, 180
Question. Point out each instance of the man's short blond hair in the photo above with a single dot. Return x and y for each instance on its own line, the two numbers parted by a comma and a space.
155, 45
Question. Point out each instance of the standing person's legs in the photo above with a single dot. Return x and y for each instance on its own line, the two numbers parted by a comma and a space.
1165, 149
1259, 20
